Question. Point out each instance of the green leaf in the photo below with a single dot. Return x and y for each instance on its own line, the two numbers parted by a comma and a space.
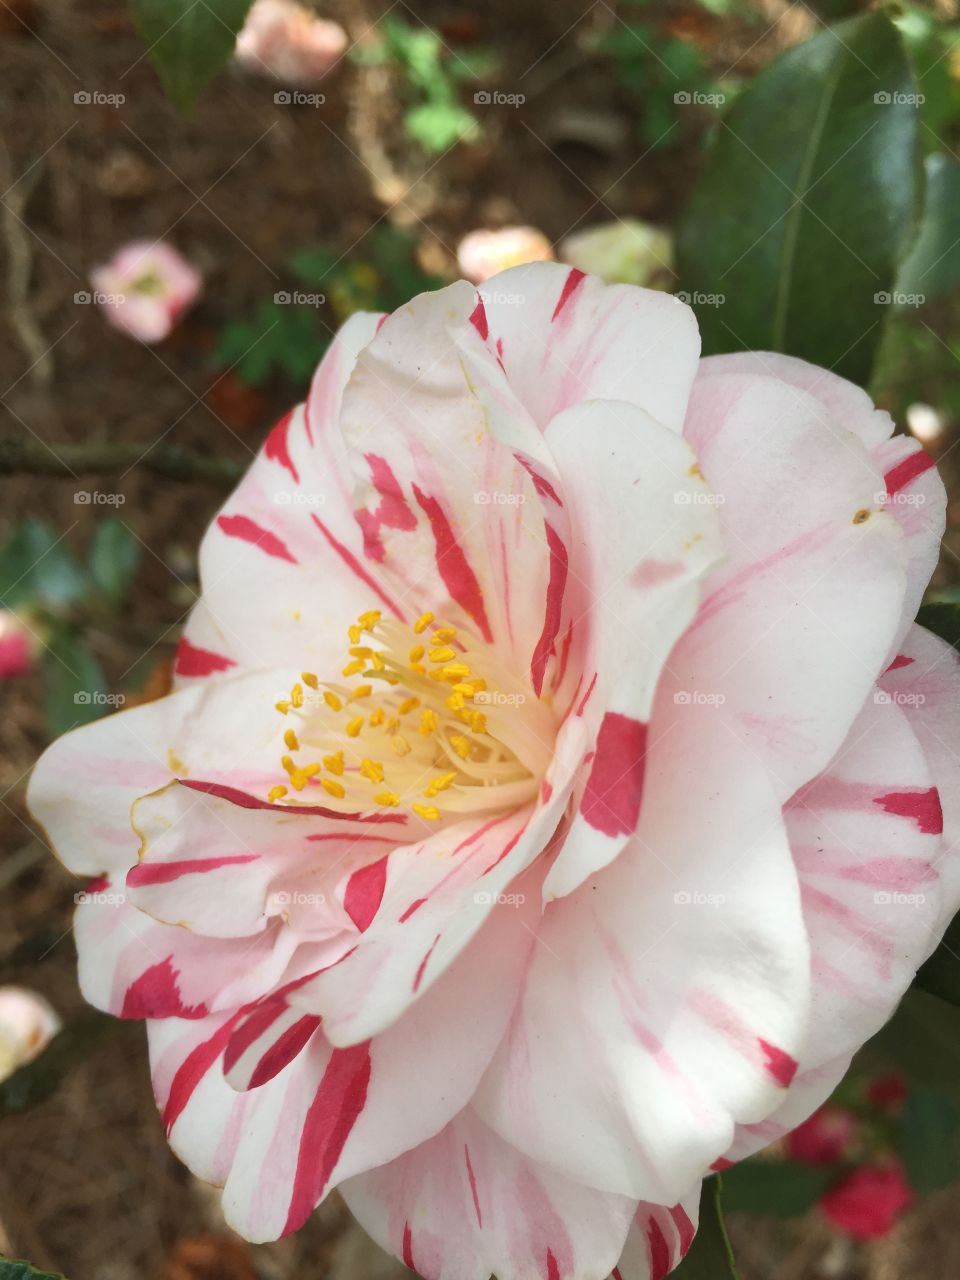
779, 1188
24, 1271
710, 1256
76, 685
39, 1079
809, 197
36, 567
943, 620
922, 1040
438, 125
931, 1140
940, 975
189, 40
932, 268
114, 557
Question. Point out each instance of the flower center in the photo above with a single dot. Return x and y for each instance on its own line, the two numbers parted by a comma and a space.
434, 724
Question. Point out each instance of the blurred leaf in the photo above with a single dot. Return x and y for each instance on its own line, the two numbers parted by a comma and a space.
922, 1040
930, 1145
36, 566
114, 557
278, 338
313, 264
932, 267
438, 125
189, 40
801, 165
75, 683
24, 1271
780, 1188
943, 620
930, 44
39, 1079
710, 1256
940, 975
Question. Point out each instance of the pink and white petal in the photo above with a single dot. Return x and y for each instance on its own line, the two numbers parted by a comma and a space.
809, 1090
466, 1204
627, 601
133, 966
658, 1239
797, 625
564, 337
689, 949
449, 511
330, 1114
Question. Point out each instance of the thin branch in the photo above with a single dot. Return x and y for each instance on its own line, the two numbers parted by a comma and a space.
32, 457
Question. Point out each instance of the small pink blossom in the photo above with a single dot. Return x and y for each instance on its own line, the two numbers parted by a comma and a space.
888, 1093
145, 288
626, 251
868, 1201
16, 657
481, 254
27, 1024
288, 42
824, 1138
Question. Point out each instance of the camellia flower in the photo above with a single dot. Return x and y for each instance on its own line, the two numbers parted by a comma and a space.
27, 1024
287, 41
552, 797
16, 650
482, 254
823, 1138
867, 1202
145, 288
625, 251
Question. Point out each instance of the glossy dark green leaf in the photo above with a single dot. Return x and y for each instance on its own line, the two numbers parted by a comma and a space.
932, 267
930, 1145
943, 620
114, 557
189, 40
710, 1256
940, 975
779, 1188
36, 567
808, 201
39, 1079
10, 1270
75, 684
922, 1040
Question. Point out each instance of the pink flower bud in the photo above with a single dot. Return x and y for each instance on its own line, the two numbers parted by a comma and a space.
868, 1201
145, 288
27, 1023
824, 1138
16, 656
481, 254
288, 42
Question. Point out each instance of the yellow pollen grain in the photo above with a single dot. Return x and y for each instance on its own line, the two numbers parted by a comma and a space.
353, 668
442, 654
288, 764
277, 792
861, 516
456, 701
440, 783
354, 633
418, 668
428, 721
282, 707
334, 763
332, 701
428, 811
377, 718
400, 745
468, 690
300, 776
393, 724
408, 704
443, 635
388, 798
360, 651
422, 623
376, 661
296, 695
455, 671
362, 691
290, 739
354, 726
333, 788
416, 653
309, 679
372, 769
370, 619
460, 744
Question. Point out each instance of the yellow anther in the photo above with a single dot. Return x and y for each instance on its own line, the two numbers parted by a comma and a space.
354, 668
422, 623
440, 783
468, 690
443, 635
332, 701
388, 798
376, 661
354, 726
300, 776
282, 707
370, 619
428, 811
309, 679
408, 704
362, 691
377, 718
479, 684
393, 724
476, 720
428, 721
333, 788
296, 695
355, 634
360, 651
334, 763
418, 668
460, 744
442, 654
372, 769
291, 740
288, 764
456, 701
400, 745
277, 792
416, 653
455, 671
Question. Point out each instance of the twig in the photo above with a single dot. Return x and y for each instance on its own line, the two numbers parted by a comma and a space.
20, 265
32, 457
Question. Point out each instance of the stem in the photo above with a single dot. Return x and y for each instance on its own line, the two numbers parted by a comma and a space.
32, 457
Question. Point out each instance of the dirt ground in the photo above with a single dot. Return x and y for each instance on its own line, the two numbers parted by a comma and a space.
87, 1184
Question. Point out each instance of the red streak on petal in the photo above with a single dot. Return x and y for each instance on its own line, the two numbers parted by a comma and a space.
339, 1099
455, 570
915, 464
721, 1163
259, 1020
192, 1070
556, 585
423, 963
248, 530
155, 994
685, 1228
192, 661
586, 697
611, 801
540, 483
364, 893
570, 286
901, 660
244, 800
147, 873
779, 1064
283, 1051
473, 1185
478, 319
392, 511
98, 885
414, 906
661, 1262
408, 1247
923, 807
553, 1270
275, 446
355, 567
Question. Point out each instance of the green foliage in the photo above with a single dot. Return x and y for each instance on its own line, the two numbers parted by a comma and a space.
39, 1079
780, 1188
36, 567
932, 267
820, 146
930, 44
943, 620
385, 278
76, 686
930, 1141
12, 1270
114, 557
189, 41
710, 1256
276, 339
